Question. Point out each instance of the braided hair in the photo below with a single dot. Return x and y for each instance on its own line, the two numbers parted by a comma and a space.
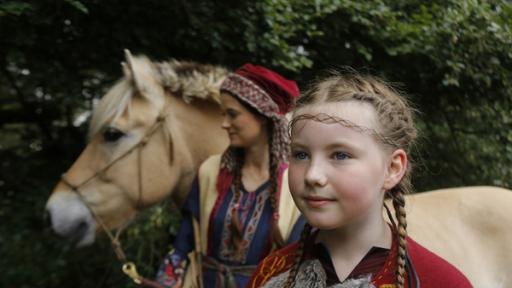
298, 256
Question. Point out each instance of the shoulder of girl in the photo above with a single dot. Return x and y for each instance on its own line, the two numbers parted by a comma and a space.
274, 264
433, 270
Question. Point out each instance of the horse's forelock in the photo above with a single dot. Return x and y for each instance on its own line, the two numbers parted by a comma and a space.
112, 105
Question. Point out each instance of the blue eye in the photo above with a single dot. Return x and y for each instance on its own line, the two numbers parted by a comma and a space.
340, 156
300, 155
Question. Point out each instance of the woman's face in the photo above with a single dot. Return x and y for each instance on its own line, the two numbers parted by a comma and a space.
337, 174
244, 128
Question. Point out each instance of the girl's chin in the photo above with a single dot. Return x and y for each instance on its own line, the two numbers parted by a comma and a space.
323, 226
324, 222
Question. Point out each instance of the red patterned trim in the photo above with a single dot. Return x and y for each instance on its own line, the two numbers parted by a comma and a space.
387, 274
251, 93
223, 181
273, 265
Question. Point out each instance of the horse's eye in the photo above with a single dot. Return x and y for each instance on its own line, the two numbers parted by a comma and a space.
112, 134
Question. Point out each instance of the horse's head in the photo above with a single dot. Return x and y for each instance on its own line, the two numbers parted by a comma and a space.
145, 143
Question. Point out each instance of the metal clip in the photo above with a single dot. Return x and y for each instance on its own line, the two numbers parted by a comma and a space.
130, 270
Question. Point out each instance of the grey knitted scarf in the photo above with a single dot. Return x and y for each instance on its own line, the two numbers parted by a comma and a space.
312, 275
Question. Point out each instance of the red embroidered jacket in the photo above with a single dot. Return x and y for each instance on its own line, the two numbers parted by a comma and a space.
432, 270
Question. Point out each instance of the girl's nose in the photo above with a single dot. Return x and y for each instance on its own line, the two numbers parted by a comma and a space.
315, 175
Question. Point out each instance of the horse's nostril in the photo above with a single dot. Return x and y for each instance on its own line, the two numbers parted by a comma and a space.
80, 230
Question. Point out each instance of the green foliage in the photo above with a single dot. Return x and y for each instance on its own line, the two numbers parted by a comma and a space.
14, 8
58, 57
454, 58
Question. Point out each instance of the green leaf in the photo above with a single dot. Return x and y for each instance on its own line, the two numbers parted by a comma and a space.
78, 5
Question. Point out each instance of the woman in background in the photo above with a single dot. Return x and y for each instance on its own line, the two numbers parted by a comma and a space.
240, 198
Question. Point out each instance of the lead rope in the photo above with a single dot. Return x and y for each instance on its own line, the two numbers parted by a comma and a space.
129, 268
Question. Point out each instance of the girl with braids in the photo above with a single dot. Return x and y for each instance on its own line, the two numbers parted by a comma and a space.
350, 140
242, 207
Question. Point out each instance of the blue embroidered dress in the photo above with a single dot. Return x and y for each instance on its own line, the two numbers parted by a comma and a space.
255, 213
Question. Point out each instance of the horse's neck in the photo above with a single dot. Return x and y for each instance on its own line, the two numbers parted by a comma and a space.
200, 126
195, 129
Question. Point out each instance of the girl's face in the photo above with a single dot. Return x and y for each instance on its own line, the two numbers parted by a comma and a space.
244, 127
338, 175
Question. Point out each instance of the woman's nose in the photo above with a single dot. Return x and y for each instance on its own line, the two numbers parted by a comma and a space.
225, 123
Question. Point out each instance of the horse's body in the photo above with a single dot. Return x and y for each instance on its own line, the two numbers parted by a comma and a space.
470, 227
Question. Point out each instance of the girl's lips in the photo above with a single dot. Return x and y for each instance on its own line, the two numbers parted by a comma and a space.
317, 202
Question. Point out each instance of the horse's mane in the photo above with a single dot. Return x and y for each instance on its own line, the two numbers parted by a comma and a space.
189, 80
192, 80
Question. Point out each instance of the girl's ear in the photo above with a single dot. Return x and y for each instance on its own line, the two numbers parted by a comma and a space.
396, 168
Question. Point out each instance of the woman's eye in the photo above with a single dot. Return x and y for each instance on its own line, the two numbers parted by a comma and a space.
300, 155
340, 156
112, 134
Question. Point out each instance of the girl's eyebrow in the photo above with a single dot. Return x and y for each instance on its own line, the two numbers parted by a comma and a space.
295, 145
343, 145
332, 146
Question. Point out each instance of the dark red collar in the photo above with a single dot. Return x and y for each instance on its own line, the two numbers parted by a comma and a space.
372, 263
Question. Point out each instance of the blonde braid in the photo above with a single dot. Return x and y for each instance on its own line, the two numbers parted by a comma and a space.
290, 281
399, 206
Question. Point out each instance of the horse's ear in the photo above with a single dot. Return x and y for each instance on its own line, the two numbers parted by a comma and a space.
142, 72
126, 70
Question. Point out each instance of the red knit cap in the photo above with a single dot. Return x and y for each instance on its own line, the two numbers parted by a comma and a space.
280, 90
